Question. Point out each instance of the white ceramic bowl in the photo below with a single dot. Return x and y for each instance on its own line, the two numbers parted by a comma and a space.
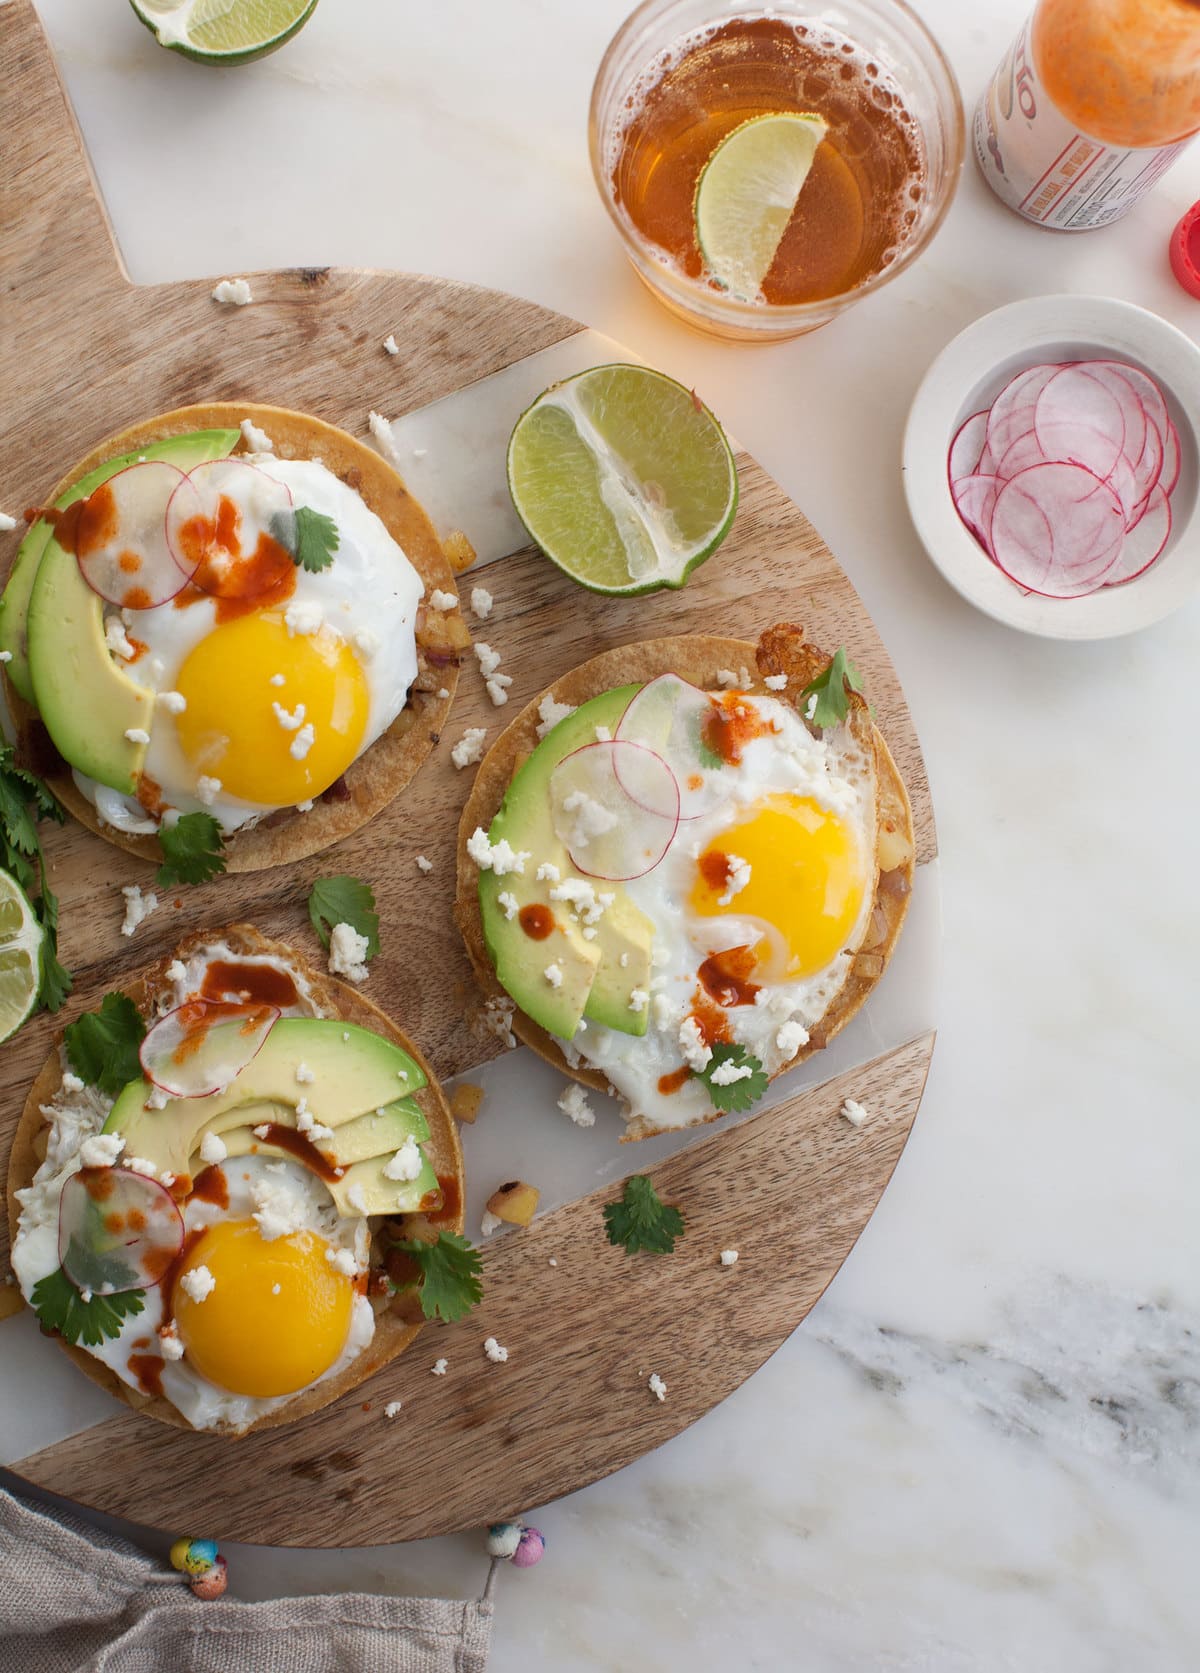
969, 374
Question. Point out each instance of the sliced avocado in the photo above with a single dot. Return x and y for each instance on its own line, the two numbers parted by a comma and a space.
379, 1133
595, 982
184, 451
354, 1073
376, 1193
87, 704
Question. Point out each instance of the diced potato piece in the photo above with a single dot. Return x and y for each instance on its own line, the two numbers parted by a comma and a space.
516, 1203
465, 1101
459, 552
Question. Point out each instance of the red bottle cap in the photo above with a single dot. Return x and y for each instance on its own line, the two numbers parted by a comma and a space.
1184, 250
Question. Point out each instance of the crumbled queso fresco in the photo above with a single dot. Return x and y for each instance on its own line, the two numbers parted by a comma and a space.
469, 748
138, 907
348, 953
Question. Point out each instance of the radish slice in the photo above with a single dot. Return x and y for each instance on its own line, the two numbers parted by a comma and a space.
1024, 453
1057, 529
967, 446
668, 716
1144, 542
1133, 409
216, 521
121, 547
203, 1045
615, 806
1148, 393
1011, 412
1170, 465
975, 500
117, 1230
1080, 422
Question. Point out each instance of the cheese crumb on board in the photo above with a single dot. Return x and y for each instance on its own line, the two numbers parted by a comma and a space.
235, 292
854, 1112
657, 1387
469, 748
494, 1351
138, 907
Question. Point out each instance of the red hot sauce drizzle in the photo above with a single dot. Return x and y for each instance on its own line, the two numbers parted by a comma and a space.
537, 921
263, 984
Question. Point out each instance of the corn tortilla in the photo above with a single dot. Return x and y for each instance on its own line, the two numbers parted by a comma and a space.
697, 657
384, 769
393, 1332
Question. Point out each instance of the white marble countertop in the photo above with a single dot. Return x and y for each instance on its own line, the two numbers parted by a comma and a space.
979, 1453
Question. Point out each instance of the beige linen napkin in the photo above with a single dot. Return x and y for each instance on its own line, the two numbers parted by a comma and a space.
74, 1599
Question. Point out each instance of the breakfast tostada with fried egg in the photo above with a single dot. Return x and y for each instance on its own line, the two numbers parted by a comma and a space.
236, 1189
234, 612
684, 867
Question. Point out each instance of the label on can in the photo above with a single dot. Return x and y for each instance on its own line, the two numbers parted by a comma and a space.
1040, 165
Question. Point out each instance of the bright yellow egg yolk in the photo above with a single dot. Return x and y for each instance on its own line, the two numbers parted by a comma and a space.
240, 728
806, 879
249, 1339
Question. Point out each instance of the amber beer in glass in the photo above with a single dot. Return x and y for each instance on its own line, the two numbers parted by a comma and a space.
681, 75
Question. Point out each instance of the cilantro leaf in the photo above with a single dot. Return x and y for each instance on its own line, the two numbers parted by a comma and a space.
192, 850
55, 981
24, 800
310, 536
735, 1094
60, 1306
102, 1045
830, 690
450, 1271
641, 1220
344, 900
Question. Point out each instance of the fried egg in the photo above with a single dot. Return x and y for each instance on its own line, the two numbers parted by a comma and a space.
267, 1297
268, 694
758, 907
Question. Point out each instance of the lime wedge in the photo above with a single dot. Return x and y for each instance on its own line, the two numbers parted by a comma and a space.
746, 194
623, 478
223, 31
20, 950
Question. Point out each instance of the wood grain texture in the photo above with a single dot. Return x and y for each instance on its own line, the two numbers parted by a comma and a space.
790, 1190
571, 1404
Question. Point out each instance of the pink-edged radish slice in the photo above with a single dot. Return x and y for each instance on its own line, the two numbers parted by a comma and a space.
120, 543
1024, 453
216, 523
1057, 529
668, 715
615, 807
1145, 541
203, 1045
1171, 459
117, 1230
1080, 422
967, 446
975, 500
1110, 373
1011, 413
1148, 393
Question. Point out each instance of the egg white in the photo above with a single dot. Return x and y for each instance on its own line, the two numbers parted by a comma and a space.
368, 596
832, 771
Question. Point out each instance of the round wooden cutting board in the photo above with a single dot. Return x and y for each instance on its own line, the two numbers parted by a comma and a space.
83, 353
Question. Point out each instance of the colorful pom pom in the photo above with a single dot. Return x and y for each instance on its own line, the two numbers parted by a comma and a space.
531, 1549
503, 1538
211, 1584
193, 1556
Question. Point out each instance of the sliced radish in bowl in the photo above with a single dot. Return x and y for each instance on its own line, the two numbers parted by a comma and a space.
1057, 529
1079, 421
966, 449
1144, 541
219, 528
200, 1047
615, 807
117, 1230
668, 716
121, 546
1011, 413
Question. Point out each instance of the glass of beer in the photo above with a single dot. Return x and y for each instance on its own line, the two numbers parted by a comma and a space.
681, 76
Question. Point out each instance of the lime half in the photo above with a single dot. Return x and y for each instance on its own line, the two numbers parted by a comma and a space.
746, 194
20, 956
623, 478
224, 31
